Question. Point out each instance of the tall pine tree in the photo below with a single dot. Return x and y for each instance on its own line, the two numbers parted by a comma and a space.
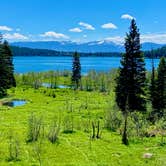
130, 89
153, 92
9, 65
2, 70
76, 71
7, 79
161, 88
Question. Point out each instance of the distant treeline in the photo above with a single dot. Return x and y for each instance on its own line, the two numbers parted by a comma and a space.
23, 51
157, 53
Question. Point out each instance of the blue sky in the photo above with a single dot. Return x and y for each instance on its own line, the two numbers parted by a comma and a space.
82, 20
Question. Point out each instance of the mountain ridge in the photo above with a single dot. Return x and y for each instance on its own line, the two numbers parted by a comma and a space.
94, 46
23, 51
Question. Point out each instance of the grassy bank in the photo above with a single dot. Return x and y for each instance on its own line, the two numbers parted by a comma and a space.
73, 113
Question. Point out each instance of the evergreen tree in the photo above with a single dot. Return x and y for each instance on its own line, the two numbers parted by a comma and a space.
153, 92
130, 89
2, 70
9, 66
161, 88
76, 71
7, 79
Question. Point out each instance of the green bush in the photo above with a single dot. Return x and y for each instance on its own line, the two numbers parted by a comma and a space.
34, 128
53, 132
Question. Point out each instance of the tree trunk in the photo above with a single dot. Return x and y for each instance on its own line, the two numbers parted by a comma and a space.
124, 136
98, 130
93, 130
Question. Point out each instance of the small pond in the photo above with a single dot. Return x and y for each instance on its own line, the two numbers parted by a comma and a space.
15, 103
48, 85
63, 86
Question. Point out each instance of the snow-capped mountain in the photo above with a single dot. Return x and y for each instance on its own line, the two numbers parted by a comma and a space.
94, 46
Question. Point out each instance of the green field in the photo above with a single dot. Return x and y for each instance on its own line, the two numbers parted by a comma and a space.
73, 112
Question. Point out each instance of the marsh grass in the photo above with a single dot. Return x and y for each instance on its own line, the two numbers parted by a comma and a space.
13, 148
54, 131
38, 121
34, 128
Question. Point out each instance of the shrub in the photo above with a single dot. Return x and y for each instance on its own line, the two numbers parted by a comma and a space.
113, 119
161, 127
53, 133
34, 128
14, 149
68, 124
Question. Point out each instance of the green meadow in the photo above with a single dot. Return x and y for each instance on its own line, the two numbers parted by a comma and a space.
80, 88
56, 127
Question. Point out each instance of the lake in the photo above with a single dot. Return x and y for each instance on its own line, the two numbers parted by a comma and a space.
38, 64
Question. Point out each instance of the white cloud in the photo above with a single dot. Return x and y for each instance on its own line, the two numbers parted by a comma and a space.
15, 36
127, 16
109, 26
154, 38
86, 26
5, 28
75, 30
52, 34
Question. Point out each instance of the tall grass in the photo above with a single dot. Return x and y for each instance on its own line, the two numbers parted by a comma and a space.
34, 128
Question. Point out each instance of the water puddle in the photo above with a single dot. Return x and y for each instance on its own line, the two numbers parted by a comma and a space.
63, 86
15, 103
48, 85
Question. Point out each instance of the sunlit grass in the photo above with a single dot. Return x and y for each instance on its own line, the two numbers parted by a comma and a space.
76, 148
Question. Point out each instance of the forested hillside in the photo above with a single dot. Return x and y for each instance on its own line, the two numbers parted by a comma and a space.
23, 51
157, 53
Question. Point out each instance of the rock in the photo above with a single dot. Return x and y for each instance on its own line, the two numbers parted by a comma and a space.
147, 155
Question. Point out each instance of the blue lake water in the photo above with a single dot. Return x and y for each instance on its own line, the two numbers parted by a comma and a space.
38, 64
15, 103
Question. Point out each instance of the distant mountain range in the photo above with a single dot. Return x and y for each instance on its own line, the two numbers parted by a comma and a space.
23, 51
95, 46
